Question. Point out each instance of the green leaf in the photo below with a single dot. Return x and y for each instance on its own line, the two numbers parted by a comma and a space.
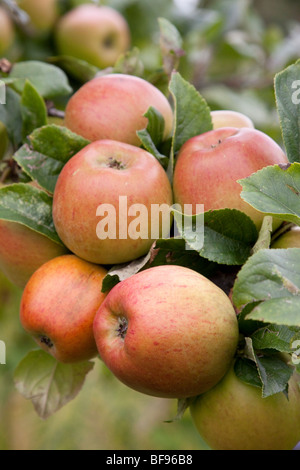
272, 371
283, 311
153, 135
268, 274
287, 85
275, 191
77, 68
130, 63
224, 236
277, 337
33, 108
171, 45
51, 147
273, 278
191, 114
29, 206
246, 370
274, 374
50, 385
11, 116
50, 81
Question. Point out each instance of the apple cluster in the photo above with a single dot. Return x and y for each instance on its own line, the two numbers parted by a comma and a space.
166, 331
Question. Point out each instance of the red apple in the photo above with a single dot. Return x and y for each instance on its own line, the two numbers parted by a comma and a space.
167, 331
209, 165
58, 307
113, 107
229, 118
120, 176
234, 416
23, 251
96, 34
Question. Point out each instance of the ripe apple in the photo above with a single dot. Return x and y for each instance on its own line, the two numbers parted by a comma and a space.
167, 331
96, 34
7, 31
229, 118
234, 416
43, 14
23, 251
113, 107
209, 165
290, 239
58, 307
115, 174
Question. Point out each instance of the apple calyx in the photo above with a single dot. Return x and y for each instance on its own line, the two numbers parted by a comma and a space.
47, 341
122, 328
114, 163
109, 41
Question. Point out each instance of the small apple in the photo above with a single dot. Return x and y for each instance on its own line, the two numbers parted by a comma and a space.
113, 106
209, 165
96, 34
58, 307
7, 31
43, 14
23, 251
109, 178
229, 118
167, 331
234, 416
289, 239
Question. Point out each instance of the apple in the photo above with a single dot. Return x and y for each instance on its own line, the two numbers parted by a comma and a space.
208, 167
43, 14
289, 239
23, 251
96, 34
229, 118
167, 332
58, 307
7, 31
120, 176
113, 106
234, 416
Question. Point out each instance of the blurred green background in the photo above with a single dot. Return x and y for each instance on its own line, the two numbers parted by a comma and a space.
233, 48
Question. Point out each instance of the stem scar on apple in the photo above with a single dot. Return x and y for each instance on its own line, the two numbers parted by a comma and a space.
113, 163
47, 341
123, 327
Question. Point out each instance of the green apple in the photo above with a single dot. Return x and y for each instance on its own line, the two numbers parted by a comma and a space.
113, 106
229, 118
96, 34
167, 331
58, 307
289, 239
7, 31
234, 416
42, 13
